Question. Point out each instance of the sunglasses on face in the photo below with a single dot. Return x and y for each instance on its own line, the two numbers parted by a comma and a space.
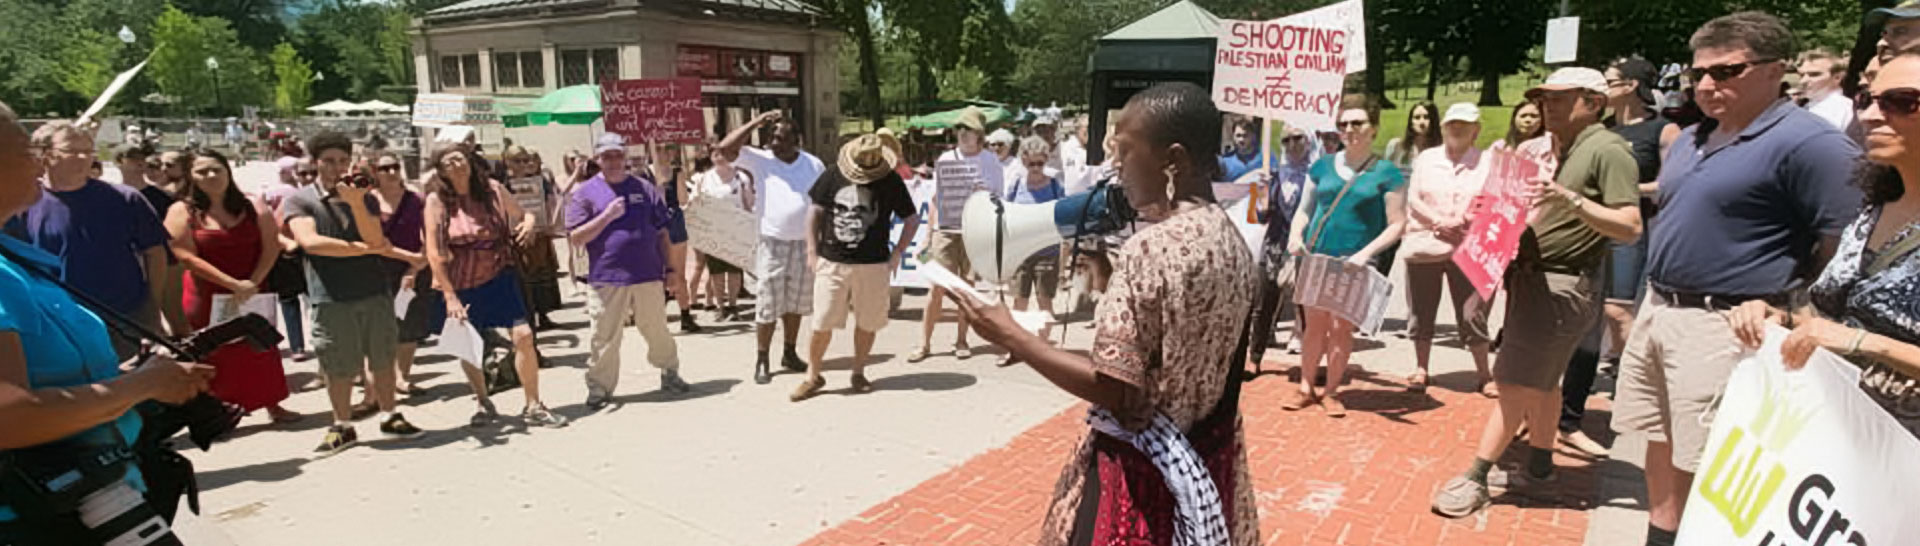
1352, 124
394, 169
1903, 101
1036, 164
1723, 72
1292, 139
306, 173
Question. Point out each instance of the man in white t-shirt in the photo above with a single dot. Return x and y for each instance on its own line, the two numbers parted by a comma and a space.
1071, 156
944, 243
782, 173
1820, 73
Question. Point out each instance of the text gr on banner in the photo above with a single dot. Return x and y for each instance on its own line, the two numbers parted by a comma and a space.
654, 110
1802, 457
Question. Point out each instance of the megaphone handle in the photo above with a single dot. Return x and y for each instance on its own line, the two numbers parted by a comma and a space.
999, 242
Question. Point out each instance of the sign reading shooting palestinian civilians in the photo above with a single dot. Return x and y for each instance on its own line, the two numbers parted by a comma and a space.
1290, 69
656, 110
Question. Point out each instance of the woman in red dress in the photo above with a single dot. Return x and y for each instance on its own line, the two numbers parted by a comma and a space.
228, 243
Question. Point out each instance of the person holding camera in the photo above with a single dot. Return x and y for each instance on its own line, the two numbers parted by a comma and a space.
337, 223
60, 380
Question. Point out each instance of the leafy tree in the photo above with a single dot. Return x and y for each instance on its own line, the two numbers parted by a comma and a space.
292, 80
854, 17
359, 46
183, 43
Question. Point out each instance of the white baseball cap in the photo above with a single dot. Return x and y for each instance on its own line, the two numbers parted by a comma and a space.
1462, 111
1572, 77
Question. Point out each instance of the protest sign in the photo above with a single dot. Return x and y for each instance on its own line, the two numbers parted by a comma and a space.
955, 179
1241, 202
909, 273
1356, 293
1290, 69
1493, 239
656, 110
1802, 457
113, 88
1563, 40
447, 109
726, 233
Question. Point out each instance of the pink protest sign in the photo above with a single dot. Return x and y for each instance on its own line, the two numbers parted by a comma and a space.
1494, 237
658, 110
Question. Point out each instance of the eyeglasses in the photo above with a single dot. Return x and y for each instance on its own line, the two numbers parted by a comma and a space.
1352, 124
1036, 164
1724, 72
996, 144
1290, 139
1903, 101
306, 173
395, 169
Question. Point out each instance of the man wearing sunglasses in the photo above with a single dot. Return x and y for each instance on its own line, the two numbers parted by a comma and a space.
1752, 200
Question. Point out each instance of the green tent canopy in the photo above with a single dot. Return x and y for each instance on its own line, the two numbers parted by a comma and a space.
943, 120
576, 105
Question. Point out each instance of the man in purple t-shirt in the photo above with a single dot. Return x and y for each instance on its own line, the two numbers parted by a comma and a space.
109, 239
620, 220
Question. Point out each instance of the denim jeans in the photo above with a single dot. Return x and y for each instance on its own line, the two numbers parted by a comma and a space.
291, 322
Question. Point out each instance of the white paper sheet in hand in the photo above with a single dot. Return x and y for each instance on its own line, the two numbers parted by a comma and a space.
400, 302
1031, 321
265, 305
462, 341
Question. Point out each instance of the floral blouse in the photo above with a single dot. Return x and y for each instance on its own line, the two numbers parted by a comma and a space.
1887, 304
1173, 312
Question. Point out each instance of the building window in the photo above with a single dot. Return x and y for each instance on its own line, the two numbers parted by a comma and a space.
533, 70
470, 69
449, 71
588, 66
506, 69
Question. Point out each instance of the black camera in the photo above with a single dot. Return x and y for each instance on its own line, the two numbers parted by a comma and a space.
360, 180
83, 477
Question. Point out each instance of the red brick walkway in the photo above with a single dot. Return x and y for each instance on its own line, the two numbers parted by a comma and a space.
1366, 479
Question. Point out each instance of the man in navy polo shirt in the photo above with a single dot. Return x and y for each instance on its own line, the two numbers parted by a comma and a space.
1752, 202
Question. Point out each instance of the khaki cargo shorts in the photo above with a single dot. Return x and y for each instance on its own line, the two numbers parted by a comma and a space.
1676, 362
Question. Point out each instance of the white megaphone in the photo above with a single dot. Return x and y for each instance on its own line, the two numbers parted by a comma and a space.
999, 236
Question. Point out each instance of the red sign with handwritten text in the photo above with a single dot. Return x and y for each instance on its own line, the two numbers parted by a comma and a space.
1494, 237
658, 110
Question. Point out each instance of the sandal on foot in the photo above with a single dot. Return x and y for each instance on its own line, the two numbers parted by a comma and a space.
962, 352
860, 385
1417, 382
808, 388
1295, 400
1489, 388
917, 355
1331, 404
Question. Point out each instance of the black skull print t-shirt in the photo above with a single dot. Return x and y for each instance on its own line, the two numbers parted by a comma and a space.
858, 225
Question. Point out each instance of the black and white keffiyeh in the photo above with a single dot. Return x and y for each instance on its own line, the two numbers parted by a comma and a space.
1199, 520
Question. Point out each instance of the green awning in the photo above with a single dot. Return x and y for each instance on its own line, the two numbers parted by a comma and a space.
576, 105
941, 120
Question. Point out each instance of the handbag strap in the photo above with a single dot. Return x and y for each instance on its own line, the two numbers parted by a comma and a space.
1331, 207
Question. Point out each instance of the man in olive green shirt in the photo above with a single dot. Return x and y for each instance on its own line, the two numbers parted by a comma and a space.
1553, 285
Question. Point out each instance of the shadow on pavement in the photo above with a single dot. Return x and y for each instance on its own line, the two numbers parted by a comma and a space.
569, 340
1393, 404
703, 389
925, 381
845, 363
262, 472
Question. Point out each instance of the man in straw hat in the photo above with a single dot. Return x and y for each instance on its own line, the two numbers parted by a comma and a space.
854, 206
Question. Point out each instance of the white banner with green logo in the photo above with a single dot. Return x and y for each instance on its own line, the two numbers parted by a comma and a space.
1803, 457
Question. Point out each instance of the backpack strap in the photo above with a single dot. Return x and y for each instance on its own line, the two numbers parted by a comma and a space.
1885, 260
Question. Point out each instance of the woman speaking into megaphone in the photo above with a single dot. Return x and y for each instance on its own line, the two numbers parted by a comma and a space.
1159, 375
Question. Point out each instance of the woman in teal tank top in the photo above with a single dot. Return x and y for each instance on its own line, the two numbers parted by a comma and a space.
1355, 210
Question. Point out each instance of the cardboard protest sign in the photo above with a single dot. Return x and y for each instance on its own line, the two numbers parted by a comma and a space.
909, 273
1290, 69
726, 233
113, 89
1493, 239
447, 109
657, 110
954, 180
1802, 457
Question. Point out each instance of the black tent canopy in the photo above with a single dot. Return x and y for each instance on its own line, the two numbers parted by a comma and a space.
1173, 44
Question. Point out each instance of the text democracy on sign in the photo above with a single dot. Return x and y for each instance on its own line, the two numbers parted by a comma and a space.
1282, 99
